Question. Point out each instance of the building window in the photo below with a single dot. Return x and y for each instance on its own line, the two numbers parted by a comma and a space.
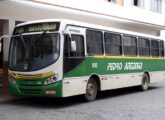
113, 1
155, 5
138, 3
129, 45
94, 42
113, 44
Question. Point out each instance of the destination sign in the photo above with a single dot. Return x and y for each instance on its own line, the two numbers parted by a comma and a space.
53, 26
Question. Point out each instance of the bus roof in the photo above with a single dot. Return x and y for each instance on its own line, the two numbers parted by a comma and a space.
92, 26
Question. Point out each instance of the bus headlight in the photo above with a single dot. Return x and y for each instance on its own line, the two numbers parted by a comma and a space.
11, 79
51, 79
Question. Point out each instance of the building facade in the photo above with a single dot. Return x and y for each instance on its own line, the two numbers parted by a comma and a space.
144, 16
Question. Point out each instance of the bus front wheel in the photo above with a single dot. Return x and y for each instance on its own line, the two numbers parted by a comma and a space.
91, 90
145, 82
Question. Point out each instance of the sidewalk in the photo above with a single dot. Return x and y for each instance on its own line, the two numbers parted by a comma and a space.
7, 98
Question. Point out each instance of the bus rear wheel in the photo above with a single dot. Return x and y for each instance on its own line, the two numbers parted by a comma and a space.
145, 82
91, 90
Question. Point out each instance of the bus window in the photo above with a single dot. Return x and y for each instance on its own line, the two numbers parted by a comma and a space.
161, 45
79, 46
73, 59
155, 48
129, 45
144, 47
94, 42
113, 44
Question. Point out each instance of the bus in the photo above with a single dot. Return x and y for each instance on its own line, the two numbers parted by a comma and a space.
62, 58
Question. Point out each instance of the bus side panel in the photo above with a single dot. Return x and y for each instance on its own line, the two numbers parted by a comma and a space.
157, 70
114, 73
121, 80
157, 76
74, 86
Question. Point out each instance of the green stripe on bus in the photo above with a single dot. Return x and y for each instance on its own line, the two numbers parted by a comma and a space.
105, 66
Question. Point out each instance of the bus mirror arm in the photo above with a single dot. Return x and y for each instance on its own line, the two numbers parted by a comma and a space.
4, 36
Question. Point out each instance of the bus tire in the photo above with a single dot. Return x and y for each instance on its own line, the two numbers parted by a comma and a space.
145, 82
91, 90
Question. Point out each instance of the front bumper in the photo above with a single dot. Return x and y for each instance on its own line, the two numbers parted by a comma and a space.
39, 91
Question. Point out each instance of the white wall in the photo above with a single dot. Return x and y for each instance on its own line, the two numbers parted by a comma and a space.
100, 6
162, 33
20, 11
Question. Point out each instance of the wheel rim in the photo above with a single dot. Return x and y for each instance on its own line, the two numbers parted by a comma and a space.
91, 89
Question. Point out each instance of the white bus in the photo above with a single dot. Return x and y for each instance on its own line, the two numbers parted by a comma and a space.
61, 58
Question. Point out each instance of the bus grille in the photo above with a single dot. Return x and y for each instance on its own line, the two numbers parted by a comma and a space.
31, 91
26, 82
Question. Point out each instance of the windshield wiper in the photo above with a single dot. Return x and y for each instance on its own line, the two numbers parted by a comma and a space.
24, 46
32, 41
23, 41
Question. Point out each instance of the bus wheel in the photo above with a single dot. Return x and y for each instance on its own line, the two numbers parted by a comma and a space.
145, 82
91, 90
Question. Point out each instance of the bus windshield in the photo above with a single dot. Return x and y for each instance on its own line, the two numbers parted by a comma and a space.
33, 52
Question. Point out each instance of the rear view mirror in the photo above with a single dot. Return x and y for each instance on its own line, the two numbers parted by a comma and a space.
73, 46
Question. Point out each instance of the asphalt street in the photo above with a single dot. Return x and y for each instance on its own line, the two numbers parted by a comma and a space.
120, 104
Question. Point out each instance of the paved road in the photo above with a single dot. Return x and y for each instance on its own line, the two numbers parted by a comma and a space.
123, 104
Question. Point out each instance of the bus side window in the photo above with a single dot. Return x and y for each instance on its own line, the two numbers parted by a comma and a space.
67, 46
113, 45
73, 58
161, 46
144, 47
130, 46
154, 48
94, 42
79, 46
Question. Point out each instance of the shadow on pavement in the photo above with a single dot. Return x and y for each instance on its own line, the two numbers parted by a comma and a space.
122, 91
56, 103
